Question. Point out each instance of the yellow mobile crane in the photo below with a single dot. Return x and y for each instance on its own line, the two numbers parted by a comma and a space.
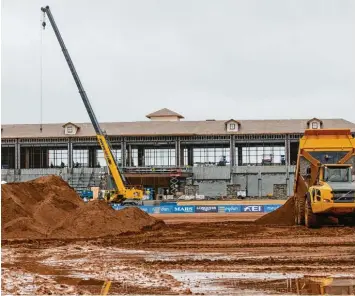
122, 190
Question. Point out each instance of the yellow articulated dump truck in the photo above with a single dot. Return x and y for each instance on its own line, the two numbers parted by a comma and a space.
325, 177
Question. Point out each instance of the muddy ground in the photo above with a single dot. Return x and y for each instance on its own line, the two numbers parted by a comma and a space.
209, 254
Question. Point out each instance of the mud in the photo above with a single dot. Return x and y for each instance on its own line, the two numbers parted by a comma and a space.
202, 258
49, 208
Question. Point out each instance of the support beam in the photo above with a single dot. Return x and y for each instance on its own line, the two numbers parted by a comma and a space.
27, 158
190, 156
287, 150
232, 151
140, 156
92, 157
70, 154
17, 155
123, 154
240, 155
129, 156
177, 152
182, 158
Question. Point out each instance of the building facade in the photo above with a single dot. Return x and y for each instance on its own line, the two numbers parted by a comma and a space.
166, 153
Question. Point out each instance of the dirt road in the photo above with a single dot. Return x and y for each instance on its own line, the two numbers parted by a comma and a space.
217, 255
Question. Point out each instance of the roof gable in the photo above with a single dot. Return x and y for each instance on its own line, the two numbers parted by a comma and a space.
315, 119
165, 112
70, 123
233, 120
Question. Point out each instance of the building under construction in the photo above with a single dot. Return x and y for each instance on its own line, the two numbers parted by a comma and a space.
167, 154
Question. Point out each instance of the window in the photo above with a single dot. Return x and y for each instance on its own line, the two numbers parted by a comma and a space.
211, 156
232, 126
58, 158
159, 157
70, 129
337, 174
267, 155
314, 125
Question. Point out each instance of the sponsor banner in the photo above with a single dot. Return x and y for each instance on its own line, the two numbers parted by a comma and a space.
253, 209
206, 209
166, 209
146, 209
270, 208
184, 209
155, 210
233, 209
169, 209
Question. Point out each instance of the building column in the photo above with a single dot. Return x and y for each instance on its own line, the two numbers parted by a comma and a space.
177, 152
140, 156
70, 154
182, 158
92, 157
232, 151
123, 154
27, 158
44, 158
129, 156
287, 151
190, 156
240, 155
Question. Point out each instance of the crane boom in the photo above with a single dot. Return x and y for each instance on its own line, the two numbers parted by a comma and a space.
119, 179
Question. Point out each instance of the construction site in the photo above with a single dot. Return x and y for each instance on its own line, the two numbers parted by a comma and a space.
173, 207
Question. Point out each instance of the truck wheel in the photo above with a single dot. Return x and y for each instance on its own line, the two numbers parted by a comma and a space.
297, 221
301, 211
311, 220
346, 221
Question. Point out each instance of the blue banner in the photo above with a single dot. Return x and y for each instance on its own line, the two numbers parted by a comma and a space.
155, 210
166, 209
184, 209
169, 209
270, 208
206, 209
232, 209
253, 208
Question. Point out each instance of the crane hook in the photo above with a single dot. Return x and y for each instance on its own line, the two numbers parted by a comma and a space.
44, 19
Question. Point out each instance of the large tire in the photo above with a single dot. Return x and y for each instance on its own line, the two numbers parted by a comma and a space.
311, 219
346, 221
296, 215
301, 211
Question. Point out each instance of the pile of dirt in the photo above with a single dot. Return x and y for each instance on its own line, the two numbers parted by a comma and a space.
49, 208
284, 215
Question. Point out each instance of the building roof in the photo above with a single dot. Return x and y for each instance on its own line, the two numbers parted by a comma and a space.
155, 128
165, 112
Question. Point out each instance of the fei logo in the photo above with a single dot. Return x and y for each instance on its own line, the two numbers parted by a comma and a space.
253, 208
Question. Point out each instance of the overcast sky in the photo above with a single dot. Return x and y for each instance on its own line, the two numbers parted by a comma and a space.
203, 59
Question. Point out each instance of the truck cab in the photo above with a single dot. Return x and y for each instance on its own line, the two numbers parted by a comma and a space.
332, 195
335, 185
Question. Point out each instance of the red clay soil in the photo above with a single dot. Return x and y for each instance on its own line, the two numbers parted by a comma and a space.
284, 215
49, 208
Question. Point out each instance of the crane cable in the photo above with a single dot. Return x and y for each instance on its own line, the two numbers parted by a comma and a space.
41, 71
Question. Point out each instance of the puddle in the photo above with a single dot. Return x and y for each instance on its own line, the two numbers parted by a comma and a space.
232, 283
77, 281
322, 286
